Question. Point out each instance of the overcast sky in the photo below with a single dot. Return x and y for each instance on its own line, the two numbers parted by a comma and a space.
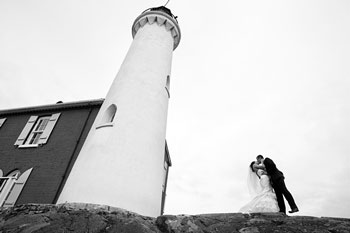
248, 78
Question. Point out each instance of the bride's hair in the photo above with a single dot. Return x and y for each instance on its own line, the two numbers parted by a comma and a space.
251, 166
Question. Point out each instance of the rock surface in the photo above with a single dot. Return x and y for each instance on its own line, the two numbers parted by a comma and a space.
75, 217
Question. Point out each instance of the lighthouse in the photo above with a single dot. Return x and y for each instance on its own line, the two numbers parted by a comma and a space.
121, 163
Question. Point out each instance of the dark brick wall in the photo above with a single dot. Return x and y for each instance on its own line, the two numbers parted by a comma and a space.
51, 162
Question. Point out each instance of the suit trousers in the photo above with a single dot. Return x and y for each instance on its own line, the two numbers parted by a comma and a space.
281, 190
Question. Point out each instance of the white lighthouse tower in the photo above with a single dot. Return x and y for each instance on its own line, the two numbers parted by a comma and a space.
121, 163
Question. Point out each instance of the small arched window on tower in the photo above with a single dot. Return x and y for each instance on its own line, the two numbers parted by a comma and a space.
167, 85
108, 117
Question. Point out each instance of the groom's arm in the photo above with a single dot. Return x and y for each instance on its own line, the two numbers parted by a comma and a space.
260, 166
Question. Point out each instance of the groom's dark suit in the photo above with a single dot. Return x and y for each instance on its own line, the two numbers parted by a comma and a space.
277, 179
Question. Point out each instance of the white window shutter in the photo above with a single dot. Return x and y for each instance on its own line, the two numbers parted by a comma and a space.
22, 137
16, 189
48, 129
2, 121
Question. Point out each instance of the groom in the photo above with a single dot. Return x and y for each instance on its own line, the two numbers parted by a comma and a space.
278, 184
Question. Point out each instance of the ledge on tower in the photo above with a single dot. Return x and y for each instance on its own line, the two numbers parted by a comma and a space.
164, 10
162, 16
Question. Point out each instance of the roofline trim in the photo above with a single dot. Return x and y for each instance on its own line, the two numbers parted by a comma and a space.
57, 106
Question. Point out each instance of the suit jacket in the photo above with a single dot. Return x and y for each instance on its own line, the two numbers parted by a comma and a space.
272, 170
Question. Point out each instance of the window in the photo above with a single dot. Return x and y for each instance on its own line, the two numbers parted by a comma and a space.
14, 173
109, 114
108, 117
165, 175
167, 85
37, 131
11, 187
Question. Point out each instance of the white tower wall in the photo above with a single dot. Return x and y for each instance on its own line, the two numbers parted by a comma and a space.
122, 162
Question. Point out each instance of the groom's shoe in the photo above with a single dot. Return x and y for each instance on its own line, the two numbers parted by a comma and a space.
293, 210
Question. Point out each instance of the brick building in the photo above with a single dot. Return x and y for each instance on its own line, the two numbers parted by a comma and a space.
38, 147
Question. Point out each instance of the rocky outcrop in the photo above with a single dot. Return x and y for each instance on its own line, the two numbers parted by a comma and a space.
97, 218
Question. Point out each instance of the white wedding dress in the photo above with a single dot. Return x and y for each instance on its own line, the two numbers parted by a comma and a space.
264, 199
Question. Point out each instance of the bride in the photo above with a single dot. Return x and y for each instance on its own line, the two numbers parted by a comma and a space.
264, 197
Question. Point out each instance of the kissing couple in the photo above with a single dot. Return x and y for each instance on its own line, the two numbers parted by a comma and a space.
267, 188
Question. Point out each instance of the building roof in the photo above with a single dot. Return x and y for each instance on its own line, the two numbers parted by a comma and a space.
59, 105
